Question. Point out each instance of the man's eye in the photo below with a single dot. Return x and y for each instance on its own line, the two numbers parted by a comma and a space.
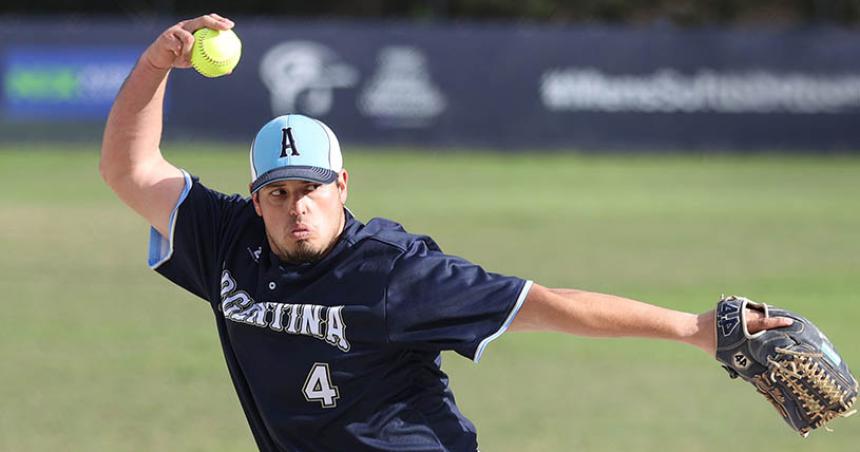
277, 193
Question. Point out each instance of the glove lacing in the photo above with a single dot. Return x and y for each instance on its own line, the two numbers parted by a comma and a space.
821, 392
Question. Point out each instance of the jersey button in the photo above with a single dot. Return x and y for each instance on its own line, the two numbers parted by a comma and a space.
272, 285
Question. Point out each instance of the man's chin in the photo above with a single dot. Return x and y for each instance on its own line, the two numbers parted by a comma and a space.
304, 253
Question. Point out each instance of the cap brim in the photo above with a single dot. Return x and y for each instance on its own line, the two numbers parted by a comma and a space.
306, 173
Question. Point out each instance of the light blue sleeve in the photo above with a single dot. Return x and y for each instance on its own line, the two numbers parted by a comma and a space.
161, 248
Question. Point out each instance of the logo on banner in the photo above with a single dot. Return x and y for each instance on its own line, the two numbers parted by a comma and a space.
302, 76
74, 82
401, 93
670, 91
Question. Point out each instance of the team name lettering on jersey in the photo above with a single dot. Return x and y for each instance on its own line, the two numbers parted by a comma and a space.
321, 322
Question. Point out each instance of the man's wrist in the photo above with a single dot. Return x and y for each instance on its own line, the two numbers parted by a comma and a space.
702, 332
145, 64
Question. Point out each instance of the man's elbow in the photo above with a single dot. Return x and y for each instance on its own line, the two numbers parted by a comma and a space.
115, 166
108, 169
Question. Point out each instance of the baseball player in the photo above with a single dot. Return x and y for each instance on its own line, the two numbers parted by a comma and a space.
332, 328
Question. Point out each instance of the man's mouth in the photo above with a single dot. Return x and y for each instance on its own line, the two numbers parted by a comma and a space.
300, 232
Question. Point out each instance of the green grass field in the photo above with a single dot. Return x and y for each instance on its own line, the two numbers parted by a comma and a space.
101, 354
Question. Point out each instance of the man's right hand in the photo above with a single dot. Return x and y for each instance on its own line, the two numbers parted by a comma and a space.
173, 47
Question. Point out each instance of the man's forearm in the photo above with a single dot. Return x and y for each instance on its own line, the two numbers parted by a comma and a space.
604, 315
594, 314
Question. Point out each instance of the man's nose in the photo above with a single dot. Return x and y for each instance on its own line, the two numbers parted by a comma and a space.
298, 206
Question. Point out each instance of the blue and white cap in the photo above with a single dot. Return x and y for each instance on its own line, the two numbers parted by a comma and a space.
294, 147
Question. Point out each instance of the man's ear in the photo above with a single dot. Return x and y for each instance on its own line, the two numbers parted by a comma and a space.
343, 186
255, 198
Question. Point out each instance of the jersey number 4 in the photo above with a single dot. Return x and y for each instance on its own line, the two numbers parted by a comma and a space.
318, 387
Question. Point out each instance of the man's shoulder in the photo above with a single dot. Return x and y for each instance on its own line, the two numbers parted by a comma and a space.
232, 216
231, 205
202, 189
387, 233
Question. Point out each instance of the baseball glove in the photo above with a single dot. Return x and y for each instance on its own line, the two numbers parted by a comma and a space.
796, 367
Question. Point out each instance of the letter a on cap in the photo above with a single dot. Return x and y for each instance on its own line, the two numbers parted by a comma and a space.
288, 136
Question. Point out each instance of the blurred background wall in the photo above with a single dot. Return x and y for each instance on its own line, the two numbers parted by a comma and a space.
539, 74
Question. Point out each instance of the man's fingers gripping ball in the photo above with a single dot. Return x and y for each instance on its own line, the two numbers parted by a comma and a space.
212, 21
173, 48
166, 51
183, 43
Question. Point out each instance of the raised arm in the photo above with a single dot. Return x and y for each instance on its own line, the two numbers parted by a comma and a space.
131, 161
599, 315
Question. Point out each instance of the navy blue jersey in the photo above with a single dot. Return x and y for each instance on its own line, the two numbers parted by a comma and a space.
342, 354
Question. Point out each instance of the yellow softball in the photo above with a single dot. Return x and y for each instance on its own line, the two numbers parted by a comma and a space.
216, 52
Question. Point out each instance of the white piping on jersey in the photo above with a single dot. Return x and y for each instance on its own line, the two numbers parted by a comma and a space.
520, 300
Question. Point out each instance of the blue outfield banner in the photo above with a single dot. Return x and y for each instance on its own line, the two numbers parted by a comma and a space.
499, 86
61, 82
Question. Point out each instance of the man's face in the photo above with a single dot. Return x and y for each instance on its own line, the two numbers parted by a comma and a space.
303, 219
